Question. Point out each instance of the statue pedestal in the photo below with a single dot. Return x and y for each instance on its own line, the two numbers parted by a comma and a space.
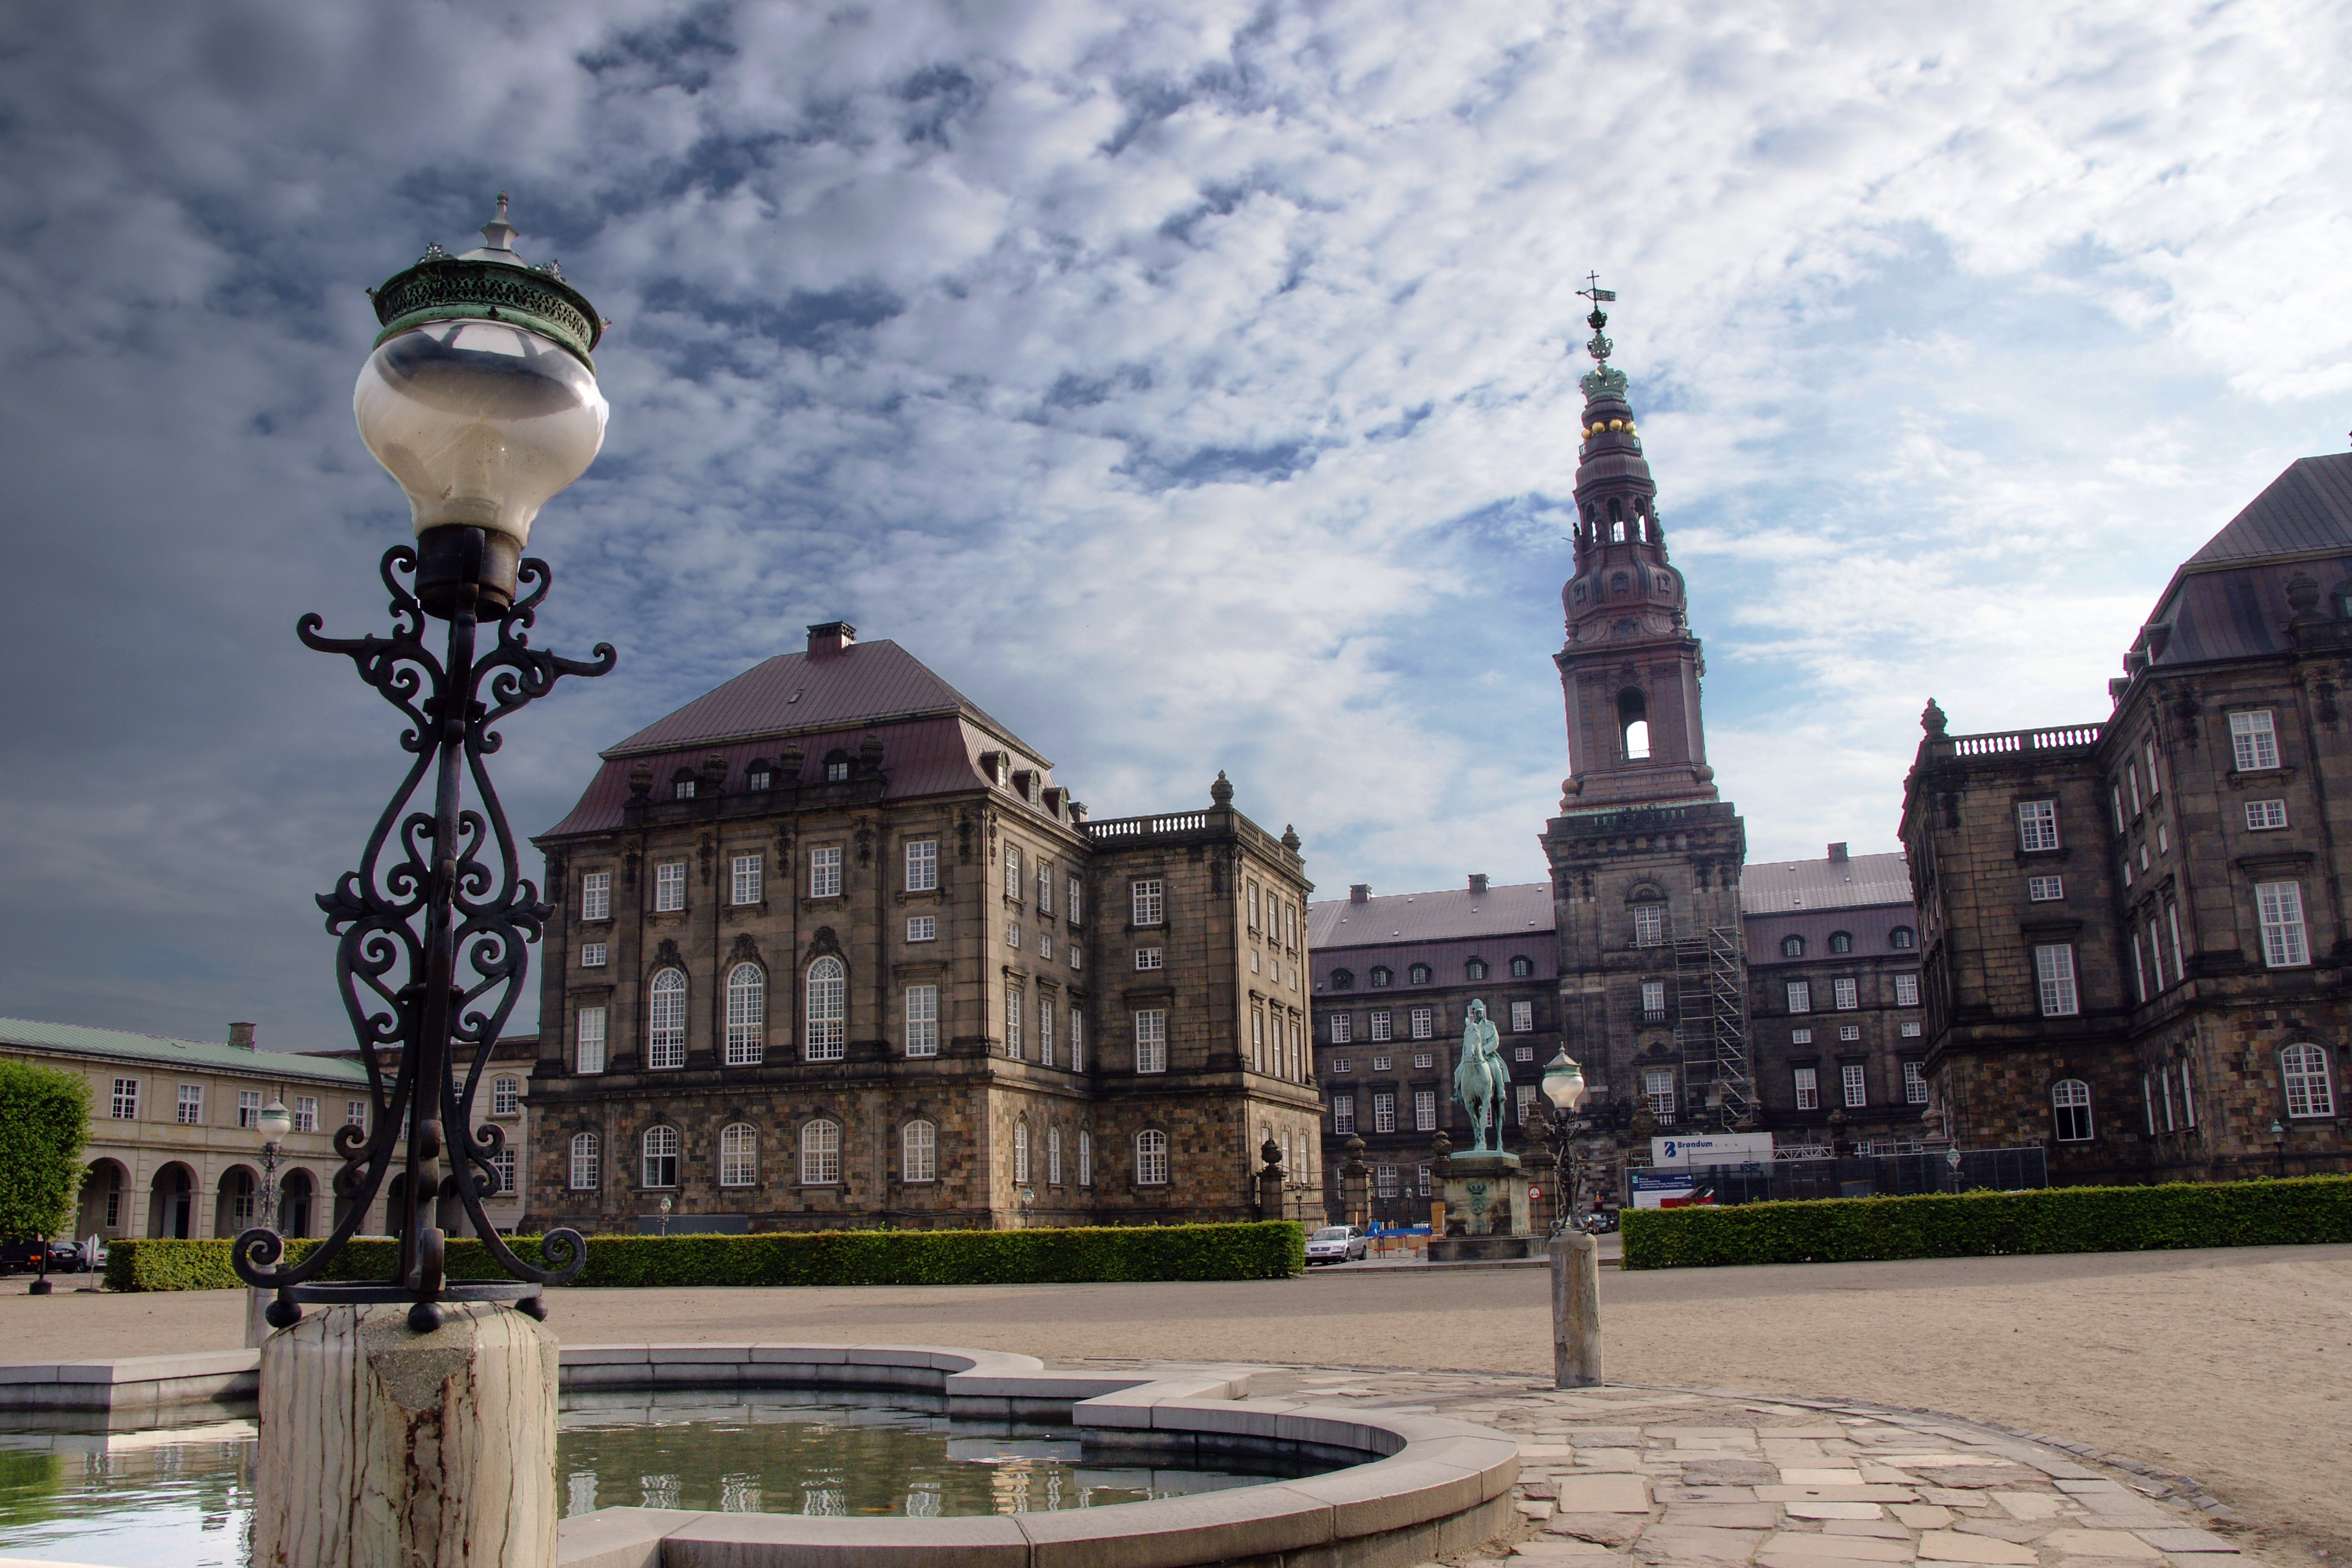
1489, 1194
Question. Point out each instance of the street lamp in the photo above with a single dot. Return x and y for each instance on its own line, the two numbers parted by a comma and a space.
274, 1125
2278, 1140
1564, 1085
480, 399
1575, 1256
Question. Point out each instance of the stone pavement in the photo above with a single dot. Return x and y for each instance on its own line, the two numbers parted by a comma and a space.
1669, 1476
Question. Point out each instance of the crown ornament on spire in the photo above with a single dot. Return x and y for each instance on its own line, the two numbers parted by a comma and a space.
1603, 380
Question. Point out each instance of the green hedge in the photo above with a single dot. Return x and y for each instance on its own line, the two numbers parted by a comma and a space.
1987, 1225
1271, 1250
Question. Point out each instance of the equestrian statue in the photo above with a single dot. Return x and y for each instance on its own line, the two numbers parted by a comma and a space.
1481, 1081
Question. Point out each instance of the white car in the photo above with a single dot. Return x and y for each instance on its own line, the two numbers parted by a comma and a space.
1335, 1244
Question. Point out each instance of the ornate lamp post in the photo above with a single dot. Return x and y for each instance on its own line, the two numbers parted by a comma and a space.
274, 1126
1575, 1256
480, 399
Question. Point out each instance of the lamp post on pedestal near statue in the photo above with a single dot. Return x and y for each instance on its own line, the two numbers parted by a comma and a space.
428, 1434
1575, 1255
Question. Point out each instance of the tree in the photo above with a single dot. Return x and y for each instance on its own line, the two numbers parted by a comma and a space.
44, 1123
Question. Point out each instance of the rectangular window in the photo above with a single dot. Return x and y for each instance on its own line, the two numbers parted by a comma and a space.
1658, 1086
1343, 1113
1013, 936
1343, 1028
1847, 995
922, 928
2139, 969
1290, 926
2172, 929
1045, 888
1384, 1180
1053, 1156
1523, 1017
2045, 890
1148, 957
2131, 776
2154, 789
1383, 1113
1045, 947
306, 1113
1907, 991
1012, 871
355, 1114
1808, 1088
923, 865
1523, 1053
1253, 906
587, 1168
1380, 1064
1343, 1064
1257, 1041
1046, 1030
2253, 743
2164, 1088
1801, 1036
1422, 1059
1420, 1180
1381, 1024
1800, 996
1654, 1001
1085, 1159
1075, 955
1425, 1110
2053, 973
1015, 1009
596, 896
1151, 1039
248, 1108
669, 887
1649, 925
126, 1100
592, 956
1146, 897
590, 1040
1525, 1095
746, 869
2037, 825
1420, 1024
2281, 907
1849, 1031
506, 1096
2187, 1095
825, 873
1914, 1083
192, 1103
2116, 796
1077, 1039
1071, 908
2264, 815
1911, 1029
1850, 1079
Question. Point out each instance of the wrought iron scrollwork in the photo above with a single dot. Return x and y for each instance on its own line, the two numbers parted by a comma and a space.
434, 932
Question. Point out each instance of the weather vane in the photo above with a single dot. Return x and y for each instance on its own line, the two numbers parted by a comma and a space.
1599, 347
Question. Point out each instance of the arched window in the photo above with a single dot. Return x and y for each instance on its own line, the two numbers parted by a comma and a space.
2303, 1070
1381, 976
821, 1154
1902, 939
1522, 967
1053, 1156
828, 995
1418, 975
1841, 942
1343, 980
1021, 1153
1085, 1159
666, 1024
918, 1152
587, 1162
1151, 1158
2070, 1110
1793, 947
1633, 725
1476, 969
739, 1155
747, 1015
661, 1157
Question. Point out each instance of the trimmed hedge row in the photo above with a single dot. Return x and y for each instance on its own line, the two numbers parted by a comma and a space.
1273, 1249
2261, 1213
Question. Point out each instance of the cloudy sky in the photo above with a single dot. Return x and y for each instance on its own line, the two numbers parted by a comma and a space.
1192, 383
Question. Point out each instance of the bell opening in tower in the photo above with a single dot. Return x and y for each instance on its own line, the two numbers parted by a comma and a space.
1634, 726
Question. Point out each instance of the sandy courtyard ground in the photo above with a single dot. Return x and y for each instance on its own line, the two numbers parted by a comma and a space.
2230, 1366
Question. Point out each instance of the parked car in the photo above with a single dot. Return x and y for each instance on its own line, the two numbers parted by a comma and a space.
1335, 1244
22, 1255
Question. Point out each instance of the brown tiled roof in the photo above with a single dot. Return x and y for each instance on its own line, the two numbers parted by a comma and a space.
867, 683
1781, 887
1521, 910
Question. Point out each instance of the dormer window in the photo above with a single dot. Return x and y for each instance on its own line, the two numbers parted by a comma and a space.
760, 776
1793, 947
681, 786
1521, 968
836, 766
1343, 980
1476, 969
1382, 976
1418, 975
1902, 939
1841, 942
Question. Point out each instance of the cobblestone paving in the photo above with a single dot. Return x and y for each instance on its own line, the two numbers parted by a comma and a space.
1717, 1479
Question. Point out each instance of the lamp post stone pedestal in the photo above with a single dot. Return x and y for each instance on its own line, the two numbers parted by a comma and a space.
381, 1447
1575, 1310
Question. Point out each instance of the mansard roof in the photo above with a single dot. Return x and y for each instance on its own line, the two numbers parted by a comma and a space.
2307, 509
1520, 912
867, 683
1791, 887
2228, 600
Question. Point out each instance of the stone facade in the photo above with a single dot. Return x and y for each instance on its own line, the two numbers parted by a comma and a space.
1395, 978
836, 949
2135, 933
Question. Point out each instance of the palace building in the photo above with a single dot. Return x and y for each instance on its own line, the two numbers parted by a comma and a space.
834, 948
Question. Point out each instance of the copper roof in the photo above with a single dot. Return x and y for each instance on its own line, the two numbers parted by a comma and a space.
210, 1055
1784, 886
1519, 910
867, 683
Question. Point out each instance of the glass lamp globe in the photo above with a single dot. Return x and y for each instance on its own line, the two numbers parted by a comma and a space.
1563, 1082
274, 1124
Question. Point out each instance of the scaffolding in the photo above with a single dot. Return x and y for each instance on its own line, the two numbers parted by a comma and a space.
1711, 1027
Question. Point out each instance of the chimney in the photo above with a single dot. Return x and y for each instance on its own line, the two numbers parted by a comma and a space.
1837, 852
1478, 881
1360, 893
832, 636
240, 1036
